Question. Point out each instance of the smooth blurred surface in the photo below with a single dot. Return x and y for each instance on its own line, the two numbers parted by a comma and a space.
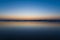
29, 30
17, 19
29, 9
29, 23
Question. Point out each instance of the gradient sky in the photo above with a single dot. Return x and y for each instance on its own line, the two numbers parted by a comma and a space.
29, 8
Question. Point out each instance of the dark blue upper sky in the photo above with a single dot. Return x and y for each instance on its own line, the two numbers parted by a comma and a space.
30, 7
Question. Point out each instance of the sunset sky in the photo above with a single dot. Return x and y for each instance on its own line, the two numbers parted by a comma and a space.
29, 9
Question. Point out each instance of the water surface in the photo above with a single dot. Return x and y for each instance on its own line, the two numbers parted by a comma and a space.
29, 30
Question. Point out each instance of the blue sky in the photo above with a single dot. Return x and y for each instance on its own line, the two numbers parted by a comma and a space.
29, 7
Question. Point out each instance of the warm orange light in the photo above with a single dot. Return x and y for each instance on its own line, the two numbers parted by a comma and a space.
29, 17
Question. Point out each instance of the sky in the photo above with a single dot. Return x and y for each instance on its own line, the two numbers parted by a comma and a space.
29, 9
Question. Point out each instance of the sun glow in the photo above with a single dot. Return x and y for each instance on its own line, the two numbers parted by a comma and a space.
29, 17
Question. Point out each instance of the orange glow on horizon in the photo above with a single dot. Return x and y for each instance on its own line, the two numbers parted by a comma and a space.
29, 17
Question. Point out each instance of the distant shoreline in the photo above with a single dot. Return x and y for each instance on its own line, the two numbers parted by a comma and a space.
31, 20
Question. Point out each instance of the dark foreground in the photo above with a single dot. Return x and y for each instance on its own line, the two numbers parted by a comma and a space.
30, 33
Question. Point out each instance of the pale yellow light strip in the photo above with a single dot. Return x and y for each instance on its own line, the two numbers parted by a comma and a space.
29, 17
